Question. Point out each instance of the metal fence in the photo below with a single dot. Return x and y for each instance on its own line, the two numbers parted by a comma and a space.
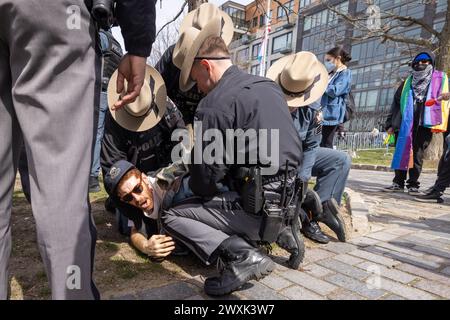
354, 141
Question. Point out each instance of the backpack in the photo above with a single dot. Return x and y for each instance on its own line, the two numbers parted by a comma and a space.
349, 107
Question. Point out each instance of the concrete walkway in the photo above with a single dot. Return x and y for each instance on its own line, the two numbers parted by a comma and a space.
406, 255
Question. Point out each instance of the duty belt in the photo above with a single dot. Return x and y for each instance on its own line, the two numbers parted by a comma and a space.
278, 177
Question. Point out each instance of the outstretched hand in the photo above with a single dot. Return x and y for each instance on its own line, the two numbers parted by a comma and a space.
131, 68
159, 246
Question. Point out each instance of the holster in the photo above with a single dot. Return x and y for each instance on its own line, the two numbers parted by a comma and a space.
251, 190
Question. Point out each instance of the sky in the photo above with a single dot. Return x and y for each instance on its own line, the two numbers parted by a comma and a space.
169, 9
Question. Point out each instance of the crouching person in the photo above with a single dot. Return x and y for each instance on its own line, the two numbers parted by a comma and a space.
303, 80
216, 226
141, 198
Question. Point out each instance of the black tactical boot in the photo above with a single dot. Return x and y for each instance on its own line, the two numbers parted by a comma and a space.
240, 263
332, 218
287, 241
431, 195
312, 231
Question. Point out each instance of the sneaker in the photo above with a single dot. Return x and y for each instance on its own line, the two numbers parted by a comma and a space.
94, 186
394, 188
431, 195
413, 191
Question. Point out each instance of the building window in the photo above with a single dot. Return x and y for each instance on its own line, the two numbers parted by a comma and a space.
441, 6
255, 70
255, 50
255, 22
242, 55
281, 42
304, 3
273, 61
262, 20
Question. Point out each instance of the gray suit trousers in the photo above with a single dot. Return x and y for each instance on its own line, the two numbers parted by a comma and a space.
47, 92
202, 227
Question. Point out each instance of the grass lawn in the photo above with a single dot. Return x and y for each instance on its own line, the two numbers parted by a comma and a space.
383, 157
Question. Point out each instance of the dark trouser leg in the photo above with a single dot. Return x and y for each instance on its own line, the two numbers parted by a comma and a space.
53, 99
443, 180
328, 133
421, 141
24, 177
331, 169
203, 227
400, 177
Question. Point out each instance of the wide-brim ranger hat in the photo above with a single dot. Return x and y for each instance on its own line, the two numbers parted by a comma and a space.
200, 17
301, 76
148, 108
187, 48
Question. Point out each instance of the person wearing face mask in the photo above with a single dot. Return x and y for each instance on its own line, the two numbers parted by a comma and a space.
413, 123
333, 100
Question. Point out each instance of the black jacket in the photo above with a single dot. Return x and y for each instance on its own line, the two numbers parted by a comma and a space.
137, 22
242, 101
186, 102
148, 150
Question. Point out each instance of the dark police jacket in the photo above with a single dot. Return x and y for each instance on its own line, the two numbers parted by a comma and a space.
148, 150
137, 23
186, 102
309, 129
243, 101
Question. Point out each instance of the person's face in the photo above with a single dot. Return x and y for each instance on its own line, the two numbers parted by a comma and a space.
136, 192
201, 73
332, 59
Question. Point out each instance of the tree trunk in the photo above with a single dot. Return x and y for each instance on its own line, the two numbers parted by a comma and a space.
434, 151
194, 4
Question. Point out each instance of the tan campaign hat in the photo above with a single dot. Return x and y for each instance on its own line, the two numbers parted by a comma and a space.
187, 48
149, 107
301, 76
200, 17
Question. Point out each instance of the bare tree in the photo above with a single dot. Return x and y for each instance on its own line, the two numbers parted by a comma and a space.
391, 27
194, 4
166, 37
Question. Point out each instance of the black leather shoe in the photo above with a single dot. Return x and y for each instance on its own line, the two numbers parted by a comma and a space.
332, 218
312, 203
238, 263
313, 232
287, 241
431, 195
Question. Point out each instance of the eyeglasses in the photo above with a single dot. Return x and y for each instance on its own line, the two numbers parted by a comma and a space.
137, 190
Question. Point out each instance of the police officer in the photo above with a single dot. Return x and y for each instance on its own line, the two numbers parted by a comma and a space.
303, 80
187, 101
47, 58
111, 53
215, 225
148, 149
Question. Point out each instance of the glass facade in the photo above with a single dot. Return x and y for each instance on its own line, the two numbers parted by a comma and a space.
377, 68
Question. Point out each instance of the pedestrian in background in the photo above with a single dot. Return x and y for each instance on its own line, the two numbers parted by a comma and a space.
333, 100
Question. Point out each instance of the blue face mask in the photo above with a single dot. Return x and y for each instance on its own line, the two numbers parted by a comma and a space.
330, 66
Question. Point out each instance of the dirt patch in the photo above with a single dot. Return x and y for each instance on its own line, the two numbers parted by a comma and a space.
119, 268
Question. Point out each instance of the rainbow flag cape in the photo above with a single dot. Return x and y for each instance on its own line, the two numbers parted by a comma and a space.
434, 117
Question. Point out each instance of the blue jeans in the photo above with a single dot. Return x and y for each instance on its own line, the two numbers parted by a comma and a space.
331, 169
95, 168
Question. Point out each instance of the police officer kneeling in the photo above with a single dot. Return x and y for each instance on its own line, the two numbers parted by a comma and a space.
214, 224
